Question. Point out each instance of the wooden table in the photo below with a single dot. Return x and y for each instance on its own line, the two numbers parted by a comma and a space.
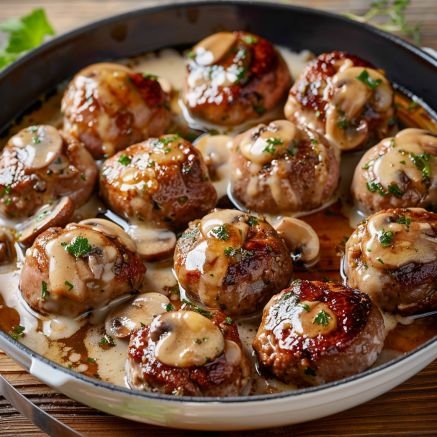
410, 409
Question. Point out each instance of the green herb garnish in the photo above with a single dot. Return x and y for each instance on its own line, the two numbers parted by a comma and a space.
403, 220
69, 285
79, 247
106, 342
252, 221
17, 332
249, 39
169, 307
322, 318
394, 189
365, 77
221, 232
386, 238
229, 320
423, 162
374, 186
124, 160
198, 309
44, 291
305, 306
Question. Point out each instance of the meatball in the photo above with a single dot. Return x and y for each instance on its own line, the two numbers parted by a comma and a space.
392, 256
399, 172
232, 261
82, 267
234, 77
282, 168
163, 181
316, 332
343, 98
40, 165
109, 107
185, 353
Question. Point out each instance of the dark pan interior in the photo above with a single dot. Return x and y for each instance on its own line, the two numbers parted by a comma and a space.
174, 25
136, 32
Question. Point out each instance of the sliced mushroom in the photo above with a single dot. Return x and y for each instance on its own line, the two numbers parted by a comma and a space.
186, 339
8, 254
211, 49
129, 317
301, 239
58, 214
153, 244
40, 146
111, 229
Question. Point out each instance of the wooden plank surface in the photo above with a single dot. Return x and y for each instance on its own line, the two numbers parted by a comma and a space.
409, 409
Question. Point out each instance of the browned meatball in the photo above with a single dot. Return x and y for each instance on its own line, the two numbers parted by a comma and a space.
344, 98
282, 168
392, 256
109, 107
233, 77
73, 270
232, 261
317, 332
39, 165
187, 354
398, 172
163, 181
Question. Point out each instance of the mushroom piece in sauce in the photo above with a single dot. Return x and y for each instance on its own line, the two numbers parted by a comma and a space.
317, 332
392, 256
232, 261
77, 269
234, 77
280, 167
109, 107
399, 172
189, 354
343, 98
38, 166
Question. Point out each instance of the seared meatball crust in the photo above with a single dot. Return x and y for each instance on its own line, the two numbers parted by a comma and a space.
343, 98
109, 107
74, 270
317, 332
234, 77
399, 172
38, 166
232, 261
280, 167
392, 256
163, 181
226, 375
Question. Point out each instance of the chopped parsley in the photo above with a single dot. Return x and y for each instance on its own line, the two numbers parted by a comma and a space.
168, 139
412, 106
368, 80
231, 251
44, 291
379, 259
252, 221
374, 186
229, 320
124, 160
422, 162
271, 145
367, 165
79, 247
386, 238
150, 76
259, 109
305, 306
394, 189
221, 232
402, 220
69, 285
17, 332
106, 342
343, 122
249, 39
91, 360
169, 307
322, 318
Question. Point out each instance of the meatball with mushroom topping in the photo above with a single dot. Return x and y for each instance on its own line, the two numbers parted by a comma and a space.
232, 261
343, 98
188, 354
399, 172
82, 267
163, 181
317, 332
109, 107
38, 166
281, 167
392, 256
234, 77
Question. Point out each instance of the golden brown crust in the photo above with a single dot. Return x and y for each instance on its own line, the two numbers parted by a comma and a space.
163, 181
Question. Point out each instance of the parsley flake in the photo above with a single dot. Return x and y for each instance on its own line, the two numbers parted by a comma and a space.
322, 318
365, 77
17, 332
44, 291
386, 238
79, 247
221, 232
124, 160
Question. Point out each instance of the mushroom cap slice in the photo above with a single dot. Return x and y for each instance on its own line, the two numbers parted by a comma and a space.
300, 238
186, 339
8, 254
127, 318
58, 214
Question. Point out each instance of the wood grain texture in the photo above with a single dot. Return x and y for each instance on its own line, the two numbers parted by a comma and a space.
409, 409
